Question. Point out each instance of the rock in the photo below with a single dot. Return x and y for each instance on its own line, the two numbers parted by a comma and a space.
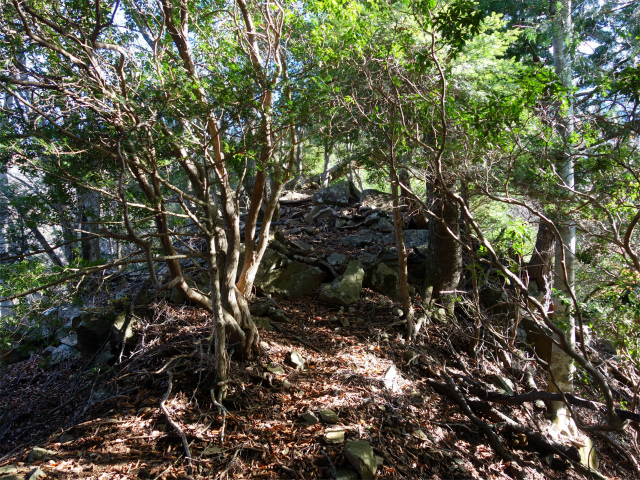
295, 360
412, 238
334, 435
337, 259
35, 474
361, 457
66, 438
7, 469
346, 289
377, 199
383, 279
262, 323
123, 329
70, 340
391, 379
319, 212
328, 416
340, 222
302, 246
311, 230
11, 477
309, 418
93, 328
410, 356
346, 475
271, 261
385, 226
344, 322
294, 281
339, 194
373, 218
358, 240
39, 454
397, 312
62, 354
503, 384
275, 369
278, 315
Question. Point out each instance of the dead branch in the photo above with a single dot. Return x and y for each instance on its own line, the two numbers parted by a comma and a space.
175, 426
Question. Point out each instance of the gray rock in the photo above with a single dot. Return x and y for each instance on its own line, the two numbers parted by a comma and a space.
377, 199
383, 279
123, 329
302, 246
385, 225
39, 454
503, 383
295, 360
11, 477
358, 240
35, 474
7, 469
70, 340
361, 457
339, 194
262, 323
340, 222
345, 474
93, 328
346, 289
412, 238
328, 416
62, 354
309, 418
391, 379
294, 281
271, 261
373, 218
278, 315
319, 212
337, 259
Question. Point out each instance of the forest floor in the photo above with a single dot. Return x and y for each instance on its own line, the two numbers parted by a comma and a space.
118, 422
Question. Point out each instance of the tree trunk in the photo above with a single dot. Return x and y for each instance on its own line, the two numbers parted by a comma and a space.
90, 215
445, 254
561, 367
540, 267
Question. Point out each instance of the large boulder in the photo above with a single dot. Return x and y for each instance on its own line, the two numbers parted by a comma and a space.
340, 194
376, 199
294, 281
384, 279
93, 327
346, 289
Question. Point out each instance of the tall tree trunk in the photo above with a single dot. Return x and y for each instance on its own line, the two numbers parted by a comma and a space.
561, 367
328, 146
89, 214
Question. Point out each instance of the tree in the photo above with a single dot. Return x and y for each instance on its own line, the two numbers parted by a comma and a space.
170, 101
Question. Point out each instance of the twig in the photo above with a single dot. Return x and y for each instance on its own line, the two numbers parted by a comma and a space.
290, 471
630, 458
332, 468
176, 427
225, 472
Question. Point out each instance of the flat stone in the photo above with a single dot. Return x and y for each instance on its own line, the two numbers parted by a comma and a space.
303, 246
275, 369
211, 451
328, 416
334, 435
391, 379
337, 259
7, 469
11, 477
361, 457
